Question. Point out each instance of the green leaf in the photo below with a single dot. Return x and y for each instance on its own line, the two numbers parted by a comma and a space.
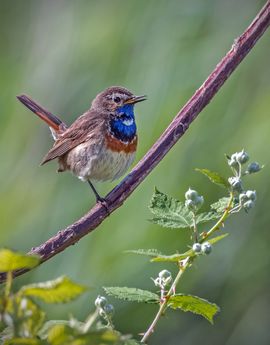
146, 252
174, 257
60, 334
7, 332
132, 294
217, 238
214, 177
169, 212
60, 290
195, 305
177, 257
206, 217
64, 334
10, 261
221, 205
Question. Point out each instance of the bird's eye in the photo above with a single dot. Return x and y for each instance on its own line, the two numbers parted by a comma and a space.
117, 99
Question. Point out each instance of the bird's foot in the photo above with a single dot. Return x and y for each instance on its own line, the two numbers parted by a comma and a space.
103, 202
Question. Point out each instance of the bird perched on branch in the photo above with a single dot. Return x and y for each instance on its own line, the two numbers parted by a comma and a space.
101, 144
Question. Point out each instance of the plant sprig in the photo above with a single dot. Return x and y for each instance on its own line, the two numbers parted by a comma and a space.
171, 213
23, 321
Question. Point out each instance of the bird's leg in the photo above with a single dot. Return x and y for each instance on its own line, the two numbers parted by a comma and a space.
98, 197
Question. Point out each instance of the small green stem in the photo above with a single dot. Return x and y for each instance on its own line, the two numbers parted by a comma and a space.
90, 320
220, 221
240, 170
183, 265
195, 230
110, 323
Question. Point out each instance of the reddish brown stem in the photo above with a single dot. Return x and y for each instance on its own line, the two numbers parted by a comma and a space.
240, 48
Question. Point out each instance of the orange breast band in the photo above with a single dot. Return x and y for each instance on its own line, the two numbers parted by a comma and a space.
116, 145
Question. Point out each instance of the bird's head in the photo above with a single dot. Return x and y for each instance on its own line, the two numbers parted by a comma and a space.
116, 99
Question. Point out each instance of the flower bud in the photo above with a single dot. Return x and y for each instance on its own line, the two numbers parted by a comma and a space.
197, 248
242, 157
165, 277
190, 205
235, 183
108, 309
191, 194
249, 205
100, 301
164, 274
206, 248
199, 201
251, 195
243, 198
253, 168
193, 201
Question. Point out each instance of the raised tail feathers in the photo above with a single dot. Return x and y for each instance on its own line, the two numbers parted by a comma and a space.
52, 121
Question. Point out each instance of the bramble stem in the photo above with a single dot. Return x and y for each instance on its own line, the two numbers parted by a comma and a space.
220, 221
195, 230
90, 320
164, 303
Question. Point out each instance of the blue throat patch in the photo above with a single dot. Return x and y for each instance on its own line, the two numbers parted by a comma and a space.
123, 127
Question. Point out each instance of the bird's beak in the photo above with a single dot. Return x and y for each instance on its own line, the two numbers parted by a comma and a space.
135, 99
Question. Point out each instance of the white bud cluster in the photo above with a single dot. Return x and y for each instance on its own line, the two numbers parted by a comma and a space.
164, 278
236, 183
204, 248
238, 158
105, 309
194, 201
247, 199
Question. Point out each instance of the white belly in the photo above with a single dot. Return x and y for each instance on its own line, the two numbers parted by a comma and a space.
102, 165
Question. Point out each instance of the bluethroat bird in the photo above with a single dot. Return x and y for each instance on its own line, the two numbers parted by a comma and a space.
101, 144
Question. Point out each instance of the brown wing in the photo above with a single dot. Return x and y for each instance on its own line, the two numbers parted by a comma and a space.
81, 130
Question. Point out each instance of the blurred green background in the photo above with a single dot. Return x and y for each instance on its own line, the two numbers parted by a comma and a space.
62, 53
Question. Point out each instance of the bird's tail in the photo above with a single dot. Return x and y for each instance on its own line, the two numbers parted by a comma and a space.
52, 121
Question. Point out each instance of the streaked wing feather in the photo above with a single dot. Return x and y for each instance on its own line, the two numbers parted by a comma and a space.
80, 131
59, 150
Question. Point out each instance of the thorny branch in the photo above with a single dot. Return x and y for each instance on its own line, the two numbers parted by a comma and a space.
92, 219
